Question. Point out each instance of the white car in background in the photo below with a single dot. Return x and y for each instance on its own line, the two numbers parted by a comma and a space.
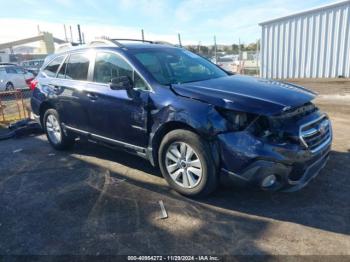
228, 62
14, 77
33, 65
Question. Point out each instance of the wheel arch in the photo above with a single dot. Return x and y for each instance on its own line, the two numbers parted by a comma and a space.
161, 132
9, 83
46, 105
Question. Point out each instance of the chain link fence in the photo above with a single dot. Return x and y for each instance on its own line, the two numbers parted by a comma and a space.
240, 62
14, 105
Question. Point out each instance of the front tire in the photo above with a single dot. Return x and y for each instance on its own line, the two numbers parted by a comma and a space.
187, 164
54, 131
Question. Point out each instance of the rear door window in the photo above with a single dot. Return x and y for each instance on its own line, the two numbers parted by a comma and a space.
11, 70
51, 69
108, 66
77, 67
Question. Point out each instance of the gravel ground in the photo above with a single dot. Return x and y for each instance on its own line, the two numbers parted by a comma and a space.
92, 200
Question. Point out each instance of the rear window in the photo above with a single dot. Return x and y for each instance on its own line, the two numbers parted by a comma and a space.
51, 69
225, 59
77, 67
20, 70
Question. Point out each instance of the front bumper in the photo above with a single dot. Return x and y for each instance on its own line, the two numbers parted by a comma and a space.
246, 160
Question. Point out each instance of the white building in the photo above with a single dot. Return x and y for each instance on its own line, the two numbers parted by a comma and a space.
310, 44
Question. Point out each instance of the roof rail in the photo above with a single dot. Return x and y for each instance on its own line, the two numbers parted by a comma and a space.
163, 43
116, 42
143, 41
103, 41
134, 40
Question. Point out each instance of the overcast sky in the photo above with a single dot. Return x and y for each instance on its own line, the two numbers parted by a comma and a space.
196, 20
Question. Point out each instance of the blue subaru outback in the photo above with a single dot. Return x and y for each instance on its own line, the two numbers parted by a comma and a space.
197, 122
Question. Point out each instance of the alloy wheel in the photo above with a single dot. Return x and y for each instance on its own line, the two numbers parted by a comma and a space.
53, 129
183, 165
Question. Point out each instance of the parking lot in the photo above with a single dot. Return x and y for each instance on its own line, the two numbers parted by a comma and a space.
92, 200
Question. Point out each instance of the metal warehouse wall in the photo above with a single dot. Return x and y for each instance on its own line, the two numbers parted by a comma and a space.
313, 43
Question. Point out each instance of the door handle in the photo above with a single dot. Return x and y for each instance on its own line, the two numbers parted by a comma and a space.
92, 96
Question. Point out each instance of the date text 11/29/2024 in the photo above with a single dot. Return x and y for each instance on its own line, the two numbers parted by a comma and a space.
174, 258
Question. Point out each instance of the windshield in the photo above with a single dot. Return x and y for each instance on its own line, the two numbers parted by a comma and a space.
176, 66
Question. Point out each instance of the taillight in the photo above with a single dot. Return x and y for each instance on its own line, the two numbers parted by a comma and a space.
33, 84
28, 81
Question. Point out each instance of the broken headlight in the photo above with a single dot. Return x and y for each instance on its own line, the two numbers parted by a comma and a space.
270, 130
259, 126
236, 121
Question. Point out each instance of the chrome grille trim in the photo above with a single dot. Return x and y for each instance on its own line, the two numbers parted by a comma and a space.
309, 132
316, 134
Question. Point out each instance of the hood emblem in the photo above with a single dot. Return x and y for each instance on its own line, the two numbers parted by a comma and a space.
227, 101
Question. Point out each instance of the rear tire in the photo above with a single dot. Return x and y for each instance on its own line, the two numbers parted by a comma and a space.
54, 131
187, 164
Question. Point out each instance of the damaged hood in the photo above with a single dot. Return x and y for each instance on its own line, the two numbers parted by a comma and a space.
246, 94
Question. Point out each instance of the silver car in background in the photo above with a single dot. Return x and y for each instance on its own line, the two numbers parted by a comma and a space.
14, 77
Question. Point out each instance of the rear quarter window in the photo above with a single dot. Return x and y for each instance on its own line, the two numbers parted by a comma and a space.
51, 69
62, 72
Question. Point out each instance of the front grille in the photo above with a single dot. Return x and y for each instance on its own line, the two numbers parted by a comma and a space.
316, 134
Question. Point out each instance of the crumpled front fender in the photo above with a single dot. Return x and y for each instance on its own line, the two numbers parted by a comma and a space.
186, 113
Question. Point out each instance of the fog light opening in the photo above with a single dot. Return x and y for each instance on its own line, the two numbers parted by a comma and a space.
268, 181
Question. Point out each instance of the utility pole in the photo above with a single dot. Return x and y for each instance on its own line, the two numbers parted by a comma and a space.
215, 50
199, 47
257, 57
65, 33
179, 37
239, 49
79, 33
83, 35
239, 55
71, 34
143, 35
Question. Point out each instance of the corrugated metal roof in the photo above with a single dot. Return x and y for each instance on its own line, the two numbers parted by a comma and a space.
320, 8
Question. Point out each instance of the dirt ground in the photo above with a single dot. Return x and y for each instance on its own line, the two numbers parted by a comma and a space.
92, 200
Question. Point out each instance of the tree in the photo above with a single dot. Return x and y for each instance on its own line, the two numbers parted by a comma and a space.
204, 50
251, 47
235, 48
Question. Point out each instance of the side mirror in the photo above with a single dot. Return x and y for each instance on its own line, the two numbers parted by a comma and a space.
121, 83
